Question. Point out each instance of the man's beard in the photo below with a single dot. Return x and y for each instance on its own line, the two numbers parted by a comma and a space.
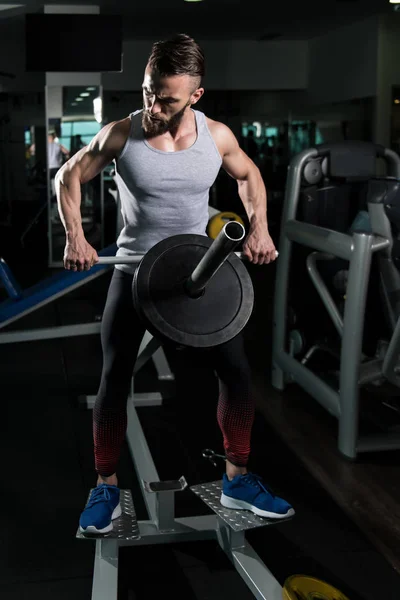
153, 127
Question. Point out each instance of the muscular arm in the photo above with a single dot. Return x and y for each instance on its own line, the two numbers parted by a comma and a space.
238, 165
258, 246
83, 167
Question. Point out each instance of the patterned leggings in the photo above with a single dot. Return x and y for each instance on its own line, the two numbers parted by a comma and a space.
121, 334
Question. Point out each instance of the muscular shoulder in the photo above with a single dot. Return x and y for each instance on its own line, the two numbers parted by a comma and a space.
121, 127
222, 136
112, 137
106, 146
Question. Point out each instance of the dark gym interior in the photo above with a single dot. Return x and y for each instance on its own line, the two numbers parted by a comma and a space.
305, 77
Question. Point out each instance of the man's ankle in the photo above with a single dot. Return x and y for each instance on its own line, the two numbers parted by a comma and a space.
111, 480
233, 470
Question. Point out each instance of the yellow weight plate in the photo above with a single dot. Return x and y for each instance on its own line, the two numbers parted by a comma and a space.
303, 587
217, 222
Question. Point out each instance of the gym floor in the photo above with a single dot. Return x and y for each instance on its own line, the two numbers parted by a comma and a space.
48, 472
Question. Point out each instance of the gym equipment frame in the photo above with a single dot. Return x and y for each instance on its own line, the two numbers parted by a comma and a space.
226, 526
350, 160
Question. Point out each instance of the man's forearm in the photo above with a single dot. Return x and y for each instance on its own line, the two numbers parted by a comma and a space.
68, 190
253, 194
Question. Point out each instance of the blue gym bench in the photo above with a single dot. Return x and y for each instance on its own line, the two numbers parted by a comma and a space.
22, 302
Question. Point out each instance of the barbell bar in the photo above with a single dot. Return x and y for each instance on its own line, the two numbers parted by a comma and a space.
136, 258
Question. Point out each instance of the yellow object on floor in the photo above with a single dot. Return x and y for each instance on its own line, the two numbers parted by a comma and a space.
303, 587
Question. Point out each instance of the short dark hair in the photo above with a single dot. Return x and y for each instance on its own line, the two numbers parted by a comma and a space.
178, 55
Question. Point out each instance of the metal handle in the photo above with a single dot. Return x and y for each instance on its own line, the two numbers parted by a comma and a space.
211, 456
210, 262
135, 259
120, 260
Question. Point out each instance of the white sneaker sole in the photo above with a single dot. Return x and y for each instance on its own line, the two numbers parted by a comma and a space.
228, 502
91, 529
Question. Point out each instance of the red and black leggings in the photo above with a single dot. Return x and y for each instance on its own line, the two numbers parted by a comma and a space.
121, 335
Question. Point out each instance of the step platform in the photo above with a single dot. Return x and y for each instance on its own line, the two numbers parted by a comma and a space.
124, 528
238, 520
127, 528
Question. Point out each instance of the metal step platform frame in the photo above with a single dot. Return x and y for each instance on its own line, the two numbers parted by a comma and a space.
227, 527
358, 249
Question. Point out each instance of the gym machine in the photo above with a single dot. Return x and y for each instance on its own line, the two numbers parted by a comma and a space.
175, 288
375, 238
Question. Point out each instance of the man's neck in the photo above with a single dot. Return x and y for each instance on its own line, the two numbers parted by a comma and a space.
186, 126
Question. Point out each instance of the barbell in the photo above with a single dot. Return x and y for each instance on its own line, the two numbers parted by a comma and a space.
179, 295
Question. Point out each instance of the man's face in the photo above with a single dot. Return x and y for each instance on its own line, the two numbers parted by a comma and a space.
165, 100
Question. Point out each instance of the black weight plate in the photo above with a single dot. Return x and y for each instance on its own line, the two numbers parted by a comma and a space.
159, 294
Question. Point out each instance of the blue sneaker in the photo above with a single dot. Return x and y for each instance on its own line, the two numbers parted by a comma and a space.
247, 492
102, 508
